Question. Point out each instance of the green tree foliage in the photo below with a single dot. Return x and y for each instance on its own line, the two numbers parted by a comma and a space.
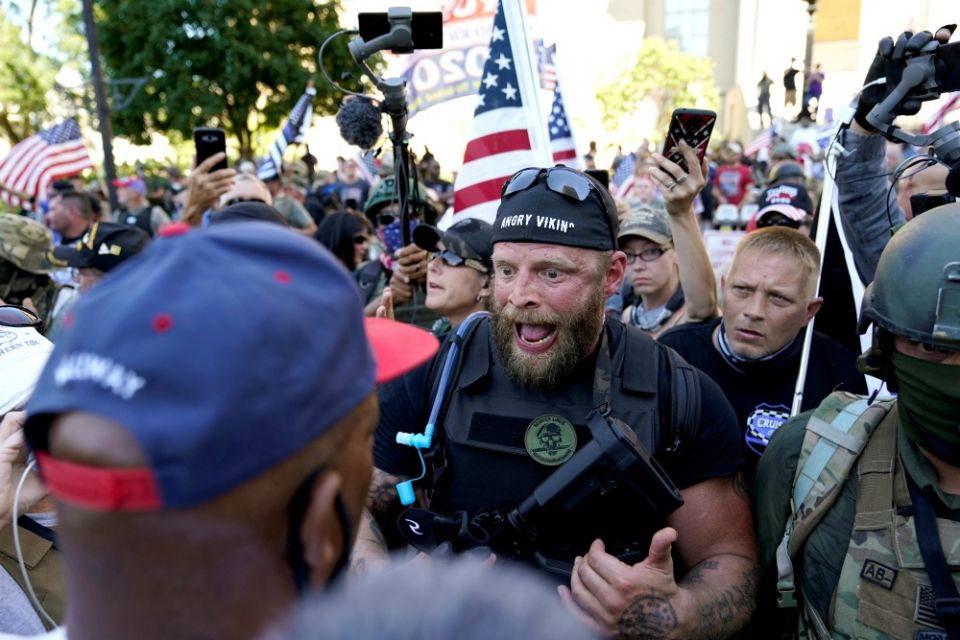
236, 64
660, 72
25, 79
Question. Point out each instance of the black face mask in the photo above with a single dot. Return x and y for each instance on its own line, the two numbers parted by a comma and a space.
296, 513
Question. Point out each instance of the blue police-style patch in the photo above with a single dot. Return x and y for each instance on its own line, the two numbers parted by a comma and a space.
762, 423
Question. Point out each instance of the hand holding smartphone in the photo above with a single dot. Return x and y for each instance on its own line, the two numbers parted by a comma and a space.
209, 142
692, 125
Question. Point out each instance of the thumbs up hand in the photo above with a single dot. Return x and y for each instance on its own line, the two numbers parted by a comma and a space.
638, 601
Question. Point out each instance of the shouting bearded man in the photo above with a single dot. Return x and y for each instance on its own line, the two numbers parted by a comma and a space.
537, 385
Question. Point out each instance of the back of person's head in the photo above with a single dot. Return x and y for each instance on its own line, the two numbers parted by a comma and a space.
783, 241
463, 599
204, 424
79, 201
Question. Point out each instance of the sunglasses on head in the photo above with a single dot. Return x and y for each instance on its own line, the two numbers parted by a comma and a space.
451, 259
12, 315
567, 182
237, 200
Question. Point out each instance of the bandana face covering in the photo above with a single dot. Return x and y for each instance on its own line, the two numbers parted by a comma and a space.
929, 403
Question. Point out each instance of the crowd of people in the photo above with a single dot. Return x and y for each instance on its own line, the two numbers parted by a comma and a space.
242, 406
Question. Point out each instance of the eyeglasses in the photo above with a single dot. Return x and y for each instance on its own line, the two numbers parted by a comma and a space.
361, 239
566, 182
451, 259
777, 219
236, 200
647, 255
12, 315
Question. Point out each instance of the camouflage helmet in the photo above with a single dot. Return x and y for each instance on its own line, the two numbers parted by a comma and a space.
916, 290
386, 193
25, 243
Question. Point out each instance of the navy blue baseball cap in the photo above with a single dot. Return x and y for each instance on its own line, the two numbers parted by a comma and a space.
223, 351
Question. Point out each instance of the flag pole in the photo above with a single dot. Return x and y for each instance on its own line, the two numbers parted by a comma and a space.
515, 16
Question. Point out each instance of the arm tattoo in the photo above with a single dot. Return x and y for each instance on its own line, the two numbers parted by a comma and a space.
731, 607
384, 505
647, 616
695, 575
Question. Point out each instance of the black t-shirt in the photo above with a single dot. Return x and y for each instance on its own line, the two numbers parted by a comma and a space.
713, 452
762, 393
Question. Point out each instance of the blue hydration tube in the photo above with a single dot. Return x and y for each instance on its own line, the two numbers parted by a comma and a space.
421, 441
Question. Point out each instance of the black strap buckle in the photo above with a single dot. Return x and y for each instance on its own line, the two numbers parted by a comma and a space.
948, 609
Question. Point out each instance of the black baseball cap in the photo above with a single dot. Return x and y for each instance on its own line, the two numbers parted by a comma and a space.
103, 247
558, 205
471, 239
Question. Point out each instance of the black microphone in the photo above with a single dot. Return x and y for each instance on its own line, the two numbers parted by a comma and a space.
359, 122
953, 181
947, 64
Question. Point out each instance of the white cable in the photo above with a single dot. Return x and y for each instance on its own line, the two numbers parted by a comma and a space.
16, 544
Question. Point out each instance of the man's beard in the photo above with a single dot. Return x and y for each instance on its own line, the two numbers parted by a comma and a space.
576, 338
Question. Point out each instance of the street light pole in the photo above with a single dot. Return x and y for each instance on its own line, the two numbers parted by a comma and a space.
808, 54
103, 109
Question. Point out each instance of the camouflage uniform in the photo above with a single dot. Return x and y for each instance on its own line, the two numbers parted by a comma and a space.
861, 574
24, 264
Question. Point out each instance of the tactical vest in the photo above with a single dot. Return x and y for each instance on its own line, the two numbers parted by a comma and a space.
489, 458
883, 591
138, 218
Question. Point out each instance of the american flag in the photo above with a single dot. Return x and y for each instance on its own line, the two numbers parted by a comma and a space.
936, 120
624, 170
762, 141
561, 138
367, 167
507, 132
293, 131
54, 153
547, 65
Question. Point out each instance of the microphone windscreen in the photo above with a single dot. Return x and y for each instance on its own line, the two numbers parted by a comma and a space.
953, 181
359, 122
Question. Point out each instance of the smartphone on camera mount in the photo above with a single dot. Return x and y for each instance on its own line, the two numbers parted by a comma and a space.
692, 125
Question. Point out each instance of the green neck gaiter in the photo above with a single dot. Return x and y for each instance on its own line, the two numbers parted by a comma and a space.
929, 401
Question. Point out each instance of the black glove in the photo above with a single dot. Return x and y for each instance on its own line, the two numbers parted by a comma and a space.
889, 62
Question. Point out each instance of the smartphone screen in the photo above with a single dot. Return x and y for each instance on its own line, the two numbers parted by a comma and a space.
692, 125
208, 142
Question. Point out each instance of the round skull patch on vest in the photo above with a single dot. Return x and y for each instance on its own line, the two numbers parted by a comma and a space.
550, 439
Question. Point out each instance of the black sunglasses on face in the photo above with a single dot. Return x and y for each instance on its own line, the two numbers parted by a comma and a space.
360, 239
12, 315
562, 180
387, 218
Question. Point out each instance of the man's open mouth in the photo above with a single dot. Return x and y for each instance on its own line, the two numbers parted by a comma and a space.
535, 338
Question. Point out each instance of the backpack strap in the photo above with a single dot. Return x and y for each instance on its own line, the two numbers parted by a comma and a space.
836, 434
684, 400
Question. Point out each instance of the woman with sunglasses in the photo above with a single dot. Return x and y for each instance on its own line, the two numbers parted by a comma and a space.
458, 274
347, 236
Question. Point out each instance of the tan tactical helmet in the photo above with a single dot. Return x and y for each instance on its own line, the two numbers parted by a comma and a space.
25, 243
